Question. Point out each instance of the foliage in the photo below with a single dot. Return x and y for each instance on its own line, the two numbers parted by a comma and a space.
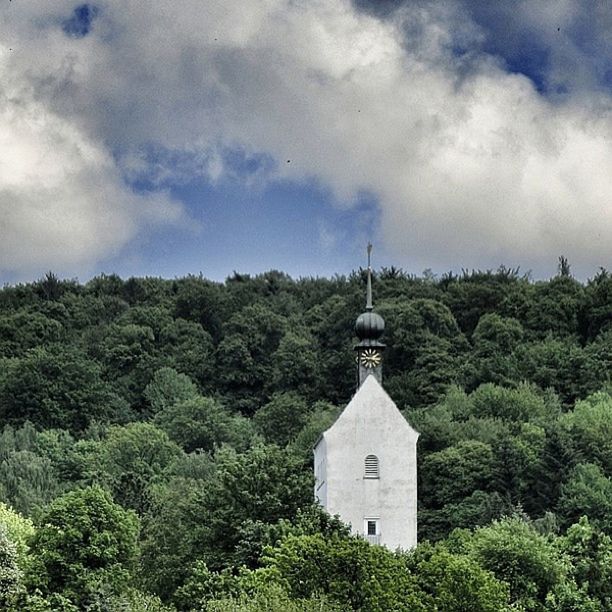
588, 491
19, 530
170, 543
590, 552
11, 575
271, 599
129, 458
167, 388
457, 582
348, 570
57, 387
203, 423
282, 418
197, 403
264, 484
453, 473
84, 541
527, 561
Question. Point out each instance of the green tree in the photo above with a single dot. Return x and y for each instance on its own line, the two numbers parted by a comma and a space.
587, 492
475, 510
58, 387
598, 297
11, 575
169, 387
244, 356
170, 533
590, 427
280, 420
25, 330
494, 340
424, 342
559, 364
19, 530
129, 358
476, 293
295, 364
84, 540
321, 416
457, 583
130, 458
349, 571
516, 554
455, 472
264, 484
556, 306
525, 403
331, 322
598, 355
200, 301
147, 315
27, 480
189, 349
496, 334
590, 552
256, 536
203, 423
271, 599
517, 462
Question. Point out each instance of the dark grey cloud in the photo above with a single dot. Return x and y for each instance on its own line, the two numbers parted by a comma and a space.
471, 161
563, 46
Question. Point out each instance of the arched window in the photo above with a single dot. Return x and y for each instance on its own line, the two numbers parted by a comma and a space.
371, 467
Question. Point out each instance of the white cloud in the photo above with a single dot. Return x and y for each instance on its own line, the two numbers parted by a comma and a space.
63, 202
471, 166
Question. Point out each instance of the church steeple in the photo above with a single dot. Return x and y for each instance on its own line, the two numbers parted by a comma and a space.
369, 327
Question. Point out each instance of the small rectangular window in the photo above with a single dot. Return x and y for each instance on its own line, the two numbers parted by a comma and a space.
371, 530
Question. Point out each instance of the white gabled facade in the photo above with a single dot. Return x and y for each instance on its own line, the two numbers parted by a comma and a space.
366, 471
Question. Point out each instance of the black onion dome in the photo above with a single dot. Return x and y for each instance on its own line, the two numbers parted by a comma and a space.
369, 326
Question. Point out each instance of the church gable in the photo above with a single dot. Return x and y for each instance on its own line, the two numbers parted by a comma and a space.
371, 409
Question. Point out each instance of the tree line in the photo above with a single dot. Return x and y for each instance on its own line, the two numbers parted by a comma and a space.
156, 442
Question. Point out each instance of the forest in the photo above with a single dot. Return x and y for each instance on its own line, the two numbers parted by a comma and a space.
156, 442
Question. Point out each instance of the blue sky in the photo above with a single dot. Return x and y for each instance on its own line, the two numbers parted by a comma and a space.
285, 226
238, 136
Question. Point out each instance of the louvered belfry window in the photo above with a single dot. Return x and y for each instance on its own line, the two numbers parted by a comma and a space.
371, 467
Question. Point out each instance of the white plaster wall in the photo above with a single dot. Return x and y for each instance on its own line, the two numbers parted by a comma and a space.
372, 424
320, 466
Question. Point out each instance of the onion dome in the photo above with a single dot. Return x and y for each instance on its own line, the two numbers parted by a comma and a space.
369, 326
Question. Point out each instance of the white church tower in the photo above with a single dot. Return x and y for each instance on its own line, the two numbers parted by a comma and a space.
365, 463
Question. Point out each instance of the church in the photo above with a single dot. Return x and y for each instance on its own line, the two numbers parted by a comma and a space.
365, 463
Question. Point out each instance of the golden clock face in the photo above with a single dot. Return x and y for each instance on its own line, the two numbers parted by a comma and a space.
370, 358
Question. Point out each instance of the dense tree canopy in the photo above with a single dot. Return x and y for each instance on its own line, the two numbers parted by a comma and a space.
156, 436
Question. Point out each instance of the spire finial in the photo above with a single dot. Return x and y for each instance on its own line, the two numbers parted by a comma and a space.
369, 290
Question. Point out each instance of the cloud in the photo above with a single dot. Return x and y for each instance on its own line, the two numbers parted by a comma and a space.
62, 201
470, 163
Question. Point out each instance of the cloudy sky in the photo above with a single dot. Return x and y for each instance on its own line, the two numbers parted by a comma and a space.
165, 138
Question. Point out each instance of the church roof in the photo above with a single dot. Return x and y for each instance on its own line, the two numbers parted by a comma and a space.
370, 406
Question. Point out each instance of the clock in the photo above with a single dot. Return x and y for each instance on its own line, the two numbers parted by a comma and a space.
370, 358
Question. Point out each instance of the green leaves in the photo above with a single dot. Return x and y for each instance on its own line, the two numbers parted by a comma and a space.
203, 423
57, 387
348, 570
84, 541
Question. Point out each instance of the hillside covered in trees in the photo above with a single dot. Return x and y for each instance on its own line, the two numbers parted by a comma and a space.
156, 436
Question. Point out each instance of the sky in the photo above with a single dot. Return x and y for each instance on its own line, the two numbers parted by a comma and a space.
211, 136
